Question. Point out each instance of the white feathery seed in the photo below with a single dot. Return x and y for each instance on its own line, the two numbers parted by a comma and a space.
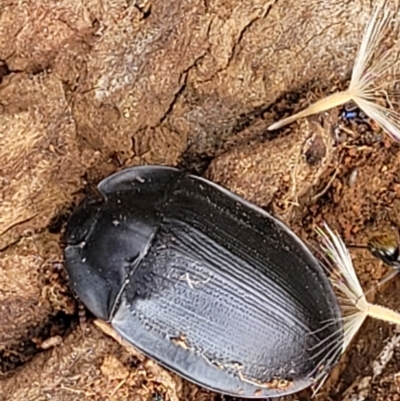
352, 298
373, 86
354, 305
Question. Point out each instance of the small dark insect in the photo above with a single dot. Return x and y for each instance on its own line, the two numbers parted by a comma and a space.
386, 248
351, 112
372, 77
205, 283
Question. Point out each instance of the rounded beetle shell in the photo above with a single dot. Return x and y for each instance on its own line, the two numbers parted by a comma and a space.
205, 283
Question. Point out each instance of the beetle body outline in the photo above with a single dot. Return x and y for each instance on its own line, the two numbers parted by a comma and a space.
256, 321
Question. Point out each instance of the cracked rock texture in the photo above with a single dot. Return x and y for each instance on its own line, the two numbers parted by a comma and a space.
88, 87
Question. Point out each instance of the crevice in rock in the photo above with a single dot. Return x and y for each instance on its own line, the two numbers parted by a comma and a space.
24, 349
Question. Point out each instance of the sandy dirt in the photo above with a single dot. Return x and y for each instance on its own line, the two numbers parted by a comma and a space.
90, 87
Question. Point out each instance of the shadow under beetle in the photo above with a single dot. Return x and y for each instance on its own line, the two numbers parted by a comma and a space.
205, 283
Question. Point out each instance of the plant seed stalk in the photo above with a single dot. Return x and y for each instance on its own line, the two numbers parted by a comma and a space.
382, 313
327, 103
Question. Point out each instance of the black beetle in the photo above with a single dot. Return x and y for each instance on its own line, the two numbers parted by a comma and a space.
205, 283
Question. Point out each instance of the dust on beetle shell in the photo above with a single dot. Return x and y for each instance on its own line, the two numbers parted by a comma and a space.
274, 384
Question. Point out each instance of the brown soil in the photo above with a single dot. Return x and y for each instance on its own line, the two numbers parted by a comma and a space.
88, 88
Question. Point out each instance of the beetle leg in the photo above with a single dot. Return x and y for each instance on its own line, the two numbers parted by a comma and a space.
82, 317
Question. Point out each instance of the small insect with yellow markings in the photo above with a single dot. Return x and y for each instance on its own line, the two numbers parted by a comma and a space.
386, 248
